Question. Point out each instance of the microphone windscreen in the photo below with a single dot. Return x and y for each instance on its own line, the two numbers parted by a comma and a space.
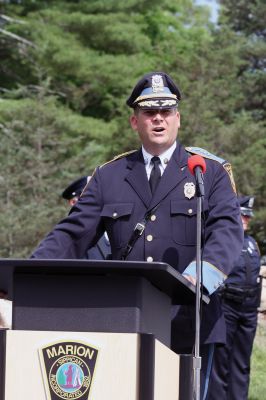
196, 161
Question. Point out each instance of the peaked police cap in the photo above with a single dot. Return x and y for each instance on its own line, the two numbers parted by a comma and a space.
246, 205
154, 90
75, 188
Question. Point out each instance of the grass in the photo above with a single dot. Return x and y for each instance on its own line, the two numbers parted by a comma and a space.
257, 388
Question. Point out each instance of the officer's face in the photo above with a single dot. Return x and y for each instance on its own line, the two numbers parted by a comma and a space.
157, 129
245, 222
73, 201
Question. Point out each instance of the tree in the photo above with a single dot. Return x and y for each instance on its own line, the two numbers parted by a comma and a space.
247, 20
39, 142
65, 81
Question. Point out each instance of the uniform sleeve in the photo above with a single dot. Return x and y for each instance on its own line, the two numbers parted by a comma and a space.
223, 233
79, 231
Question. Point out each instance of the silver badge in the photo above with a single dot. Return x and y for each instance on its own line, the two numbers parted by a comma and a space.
189, 190
251, 245
157, 83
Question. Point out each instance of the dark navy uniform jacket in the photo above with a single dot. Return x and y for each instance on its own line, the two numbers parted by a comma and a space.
118, 196
247, 268
101, 251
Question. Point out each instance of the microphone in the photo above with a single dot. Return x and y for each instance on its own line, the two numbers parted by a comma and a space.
197, 167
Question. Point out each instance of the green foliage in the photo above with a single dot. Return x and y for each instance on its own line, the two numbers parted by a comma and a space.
248, 19
247, 140
258, 365
38, 139
246, 16
67, 71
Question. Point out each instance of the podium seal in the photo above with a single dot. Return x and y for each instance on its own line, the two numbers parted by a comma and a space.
67, 369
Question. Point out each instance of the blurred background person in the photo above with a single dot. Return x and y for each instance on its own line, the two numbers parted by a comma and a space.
262, 308
5, 311
102, 249
240, 298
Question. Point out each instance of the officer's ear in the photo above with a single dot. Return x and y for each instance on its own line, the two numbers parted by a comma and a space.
178, 119
134, 121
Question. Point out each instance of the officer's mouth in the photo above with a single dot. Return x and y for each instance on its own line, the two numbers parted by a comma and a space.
158, 130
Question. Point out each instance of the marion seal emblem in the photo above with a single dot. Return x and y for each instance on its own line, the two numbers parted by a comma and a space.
189, 190
68, 369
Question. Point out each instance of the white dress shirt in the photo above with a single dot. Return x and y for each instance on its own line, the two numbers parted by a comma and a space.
164, 157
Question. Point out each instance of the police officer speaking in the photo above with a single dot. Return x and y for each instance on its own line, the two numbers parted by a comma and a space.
241, 299
153, 185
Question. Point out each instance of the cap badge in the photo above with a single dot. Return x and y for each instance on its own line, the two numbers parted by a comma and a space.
251, 202
157, 83
189, 190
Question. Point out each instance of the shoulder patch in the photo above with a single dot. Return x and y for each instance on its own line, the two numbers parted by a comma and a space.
205, 153
118, 157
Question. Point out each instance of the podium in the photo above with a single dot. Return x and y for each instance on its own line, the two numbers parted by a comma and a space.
74, 318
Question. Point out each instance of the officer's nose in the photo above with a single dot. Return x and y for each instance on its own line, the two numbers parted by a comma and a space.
157, 116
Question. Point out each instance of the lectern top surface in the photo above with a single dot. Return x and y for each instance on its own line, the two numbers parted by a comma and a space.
161, 275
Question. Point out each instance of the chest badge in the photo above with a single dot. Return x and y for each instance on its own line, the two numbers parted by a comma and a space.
189, 190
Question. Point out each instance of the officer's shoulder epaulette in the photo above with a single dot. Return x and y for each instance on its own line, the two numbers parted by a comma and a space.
118, 157
205, 153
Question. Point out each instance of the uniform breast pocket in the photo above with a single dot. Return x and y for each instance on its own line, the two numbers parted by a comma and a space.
184, 221
116, 217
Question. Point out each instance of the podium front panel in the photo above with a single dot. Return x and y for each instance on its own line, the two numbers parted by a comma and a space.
70, 365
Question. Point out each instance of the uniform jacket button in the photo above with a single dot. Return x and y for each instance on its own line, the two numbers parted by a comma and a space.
149, 238
153, 217
115, 215
149, 259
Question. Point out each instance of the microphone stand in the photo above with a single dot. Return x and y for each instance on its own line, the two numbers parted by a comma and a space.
197, 358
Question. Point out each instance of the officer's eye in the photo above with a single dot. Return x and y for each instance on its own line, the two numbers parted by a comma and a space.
167, 112
150, 113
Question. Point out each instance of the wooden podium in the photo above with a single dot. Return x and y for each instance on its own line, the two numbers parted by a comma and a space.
92, 330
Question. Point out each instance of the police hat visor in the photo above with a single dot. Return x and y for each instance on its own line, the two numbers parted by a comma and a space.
246, 212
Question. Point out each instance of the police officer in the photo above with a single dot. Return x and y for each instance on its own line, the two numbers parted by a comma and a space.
240, 300
102, 249
73, 191
153, 185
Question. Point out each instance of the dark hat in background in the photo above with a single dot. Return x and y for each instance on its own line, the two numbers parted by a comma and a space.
75, 188
246, 205
154, 90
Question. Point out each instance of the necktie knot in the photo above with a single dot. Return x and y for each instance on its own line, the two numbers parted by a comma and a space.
155, 173
156, 160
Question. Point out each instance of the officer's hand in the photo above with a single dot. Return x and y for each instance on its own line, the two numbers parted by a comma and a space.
190, 278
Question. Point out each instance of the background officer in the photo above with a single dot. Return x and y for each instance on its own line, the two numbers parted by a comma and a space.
73, 191
240, 302
149, 186
102, 249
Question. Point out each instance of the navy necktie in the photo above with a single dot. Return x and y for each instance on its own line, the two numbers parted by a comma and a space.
155, 173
